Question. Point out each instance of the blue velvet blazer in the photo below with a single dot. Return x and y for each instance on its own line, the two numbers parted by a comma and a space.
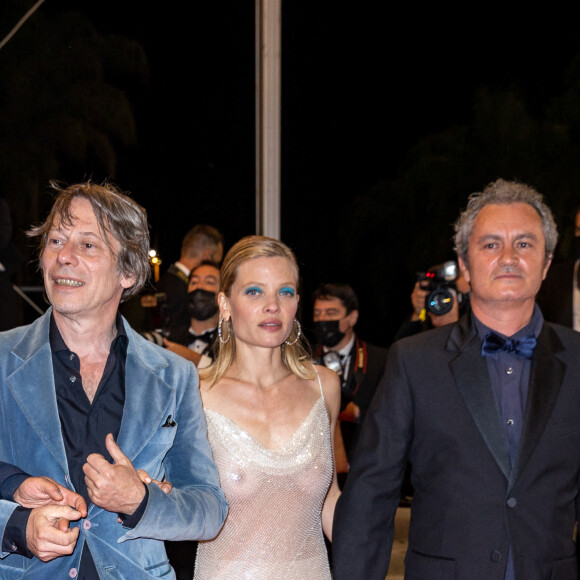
157, 384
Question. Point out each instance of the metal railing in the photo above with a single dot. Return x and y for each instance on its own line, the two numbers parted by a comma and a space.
22, 292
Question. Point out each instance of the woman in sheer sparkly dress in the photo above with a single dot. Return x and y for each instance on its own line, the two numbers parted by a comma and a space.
271, 416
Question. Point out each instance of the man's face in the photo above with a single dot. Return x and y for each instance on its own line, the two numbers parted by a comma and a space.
507, 255
205, 277
81, 276
332, 308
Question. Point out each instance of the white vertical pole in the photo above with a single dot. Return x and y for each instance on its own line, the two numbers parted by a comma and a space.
268, 81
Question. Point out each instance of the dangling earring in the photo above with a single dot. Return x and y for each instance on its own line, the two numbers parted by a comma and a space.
220, 332
298, 335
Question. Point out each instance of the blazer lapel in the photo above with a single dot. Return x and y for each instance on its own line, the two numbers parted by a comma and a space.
32, 386
147, 398
546, 376
472, 378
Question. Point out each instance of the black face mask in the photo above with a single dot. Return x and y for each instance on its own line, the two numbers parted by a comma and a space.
201, 304
327, 332
576, 247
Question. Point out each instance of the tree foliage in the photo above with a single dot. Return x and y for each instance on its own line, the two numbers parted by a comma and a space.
405, 225
65, 104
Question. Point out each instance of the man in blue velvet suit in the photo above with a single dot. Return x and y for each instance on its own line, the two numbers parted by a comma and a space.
86, 401
487, 412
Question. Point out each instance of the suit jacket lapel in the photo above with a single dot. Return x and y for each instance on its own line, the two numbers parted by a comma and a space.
147, 398
472, 378
546, 376
32, 386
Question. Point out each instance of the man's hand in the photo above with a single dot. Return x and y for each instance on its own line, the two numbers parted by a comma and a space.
48, 535
115, 487
418, 297
165, 486
38, 491
350, 413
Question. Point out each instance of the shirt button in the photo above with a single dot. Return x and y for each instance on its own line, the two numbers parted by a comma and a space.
496, 556
512, 502
73, 573
73, 379
87, 525
510, 422
509, 371
71, 356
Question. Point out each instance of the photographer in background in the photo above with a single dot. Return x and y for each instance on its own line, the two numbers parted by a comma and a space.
440, 296
359, 364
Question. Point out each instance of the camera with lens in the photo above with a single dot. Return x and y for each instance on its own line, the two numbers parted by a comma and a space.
440, 282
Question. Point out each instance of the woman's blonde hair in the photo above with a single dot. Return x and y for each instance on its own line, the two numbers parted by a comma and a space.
295, 354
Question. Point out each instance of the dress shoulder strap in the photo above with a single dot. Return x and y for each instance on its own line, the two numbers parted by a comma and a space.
319, 381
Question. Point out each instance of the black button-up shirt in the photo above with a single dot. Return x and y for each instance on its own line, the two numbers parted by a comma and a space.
510, 381
84, 425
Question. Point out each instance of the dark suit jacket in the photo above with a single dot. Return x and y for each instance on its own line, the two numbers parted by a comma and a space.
555, 297
173, 283
435, 407
360, 386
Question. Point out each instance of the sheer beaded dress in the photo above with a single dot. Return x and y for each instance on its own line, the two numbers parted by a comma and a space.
273, 530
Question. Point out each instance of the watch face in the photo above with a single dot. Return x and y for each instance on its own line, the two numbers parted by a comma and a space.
331, 360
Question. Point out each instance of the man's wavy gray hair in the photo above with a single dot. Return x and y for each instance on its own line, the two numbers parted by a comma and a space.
117, 215
504, 192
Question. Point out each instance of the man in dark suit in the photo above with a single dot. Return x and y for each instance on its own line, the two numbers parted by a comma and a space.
359, 364
201, 243
559, 297
487, 411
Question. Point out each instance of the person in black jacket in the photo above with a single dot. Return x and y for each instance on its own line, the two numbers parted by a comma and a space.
359, 364
201, 243
195, 341
487, 411
422, 318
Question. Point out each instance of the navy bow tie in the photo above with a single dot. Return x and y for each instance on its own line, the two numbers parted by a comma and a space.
492, 343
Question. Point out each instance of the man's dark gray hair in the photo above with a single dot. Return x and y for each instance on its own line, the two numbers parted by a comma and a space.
343, 292
502, 192
117, 215
200, 238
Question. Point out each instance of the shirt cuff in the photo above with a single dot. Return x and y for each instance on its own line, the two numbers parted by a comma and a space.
14, 539
132, 520
11, 484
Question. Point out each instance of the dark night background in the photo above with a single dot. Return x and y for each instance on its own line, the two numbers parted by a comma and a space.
390, 118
